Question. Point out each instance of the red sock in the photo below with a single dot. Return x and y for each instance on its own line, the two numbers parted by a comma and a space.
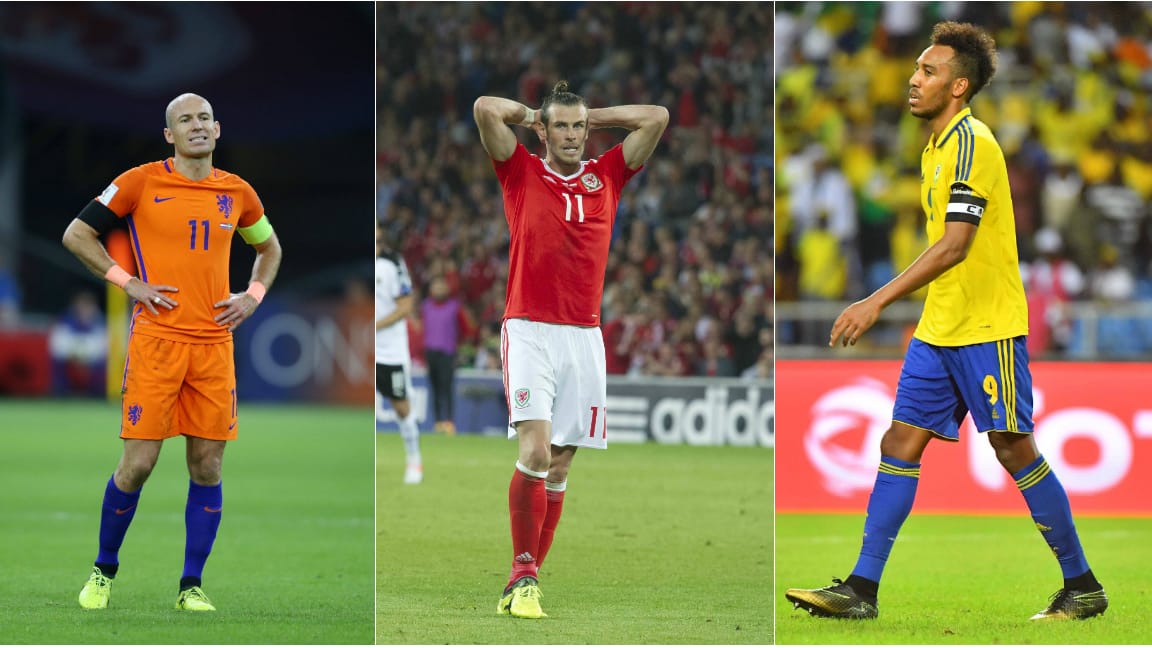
526, 508
551, 519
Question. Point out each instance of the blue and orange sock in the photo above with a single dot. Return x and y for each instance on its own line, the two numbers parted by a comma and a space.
201, 521
1048, 503
888, 507
115, 517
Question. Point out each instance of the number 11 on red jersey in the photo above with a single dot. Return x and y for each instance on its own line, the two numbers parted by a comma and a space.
568, 207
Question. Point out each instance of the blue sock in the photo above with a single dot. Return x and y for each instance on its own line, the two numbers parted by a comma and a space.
888, 507
1053, 516
115, 516
201, 521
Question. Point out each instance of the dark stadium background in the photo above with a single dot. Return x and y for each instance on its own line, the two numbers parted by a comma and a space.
83, 87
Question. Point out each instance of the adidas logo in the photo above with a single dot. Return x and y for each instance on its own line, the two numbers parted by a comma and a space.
525, 558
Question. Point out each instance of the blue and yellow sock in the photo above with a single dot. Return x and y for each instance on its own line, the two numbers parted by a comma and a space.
201, 521
888, 507
1048, 503
115, 516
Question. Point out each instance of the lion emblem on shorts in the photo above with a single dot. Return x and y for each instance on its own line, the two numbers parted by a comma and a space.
135, 412
590, 181
521, 397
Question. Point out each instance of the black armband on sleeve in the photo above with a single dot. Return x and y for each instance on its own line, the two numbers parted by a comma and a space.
964, 205
98, 217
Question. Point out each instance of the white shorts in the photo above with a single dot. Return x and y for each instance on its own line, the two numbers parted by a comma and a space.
557, 373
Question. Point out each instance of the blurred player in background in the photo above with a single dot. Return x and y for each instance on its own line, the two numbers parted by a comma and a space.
179, 375
560, 212
968, 352
393, 365
79, 347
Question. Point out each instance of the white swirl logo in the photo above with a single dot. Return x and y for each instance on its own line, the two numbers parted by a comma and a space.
867, 404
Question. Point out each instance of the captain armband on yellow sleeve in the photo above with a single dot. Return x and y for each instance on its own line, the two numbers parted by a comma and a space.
964, 205
257, 232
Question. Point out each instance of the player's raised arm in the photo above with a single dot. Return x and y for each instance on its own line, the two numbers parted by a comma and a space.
647, 124
493, 116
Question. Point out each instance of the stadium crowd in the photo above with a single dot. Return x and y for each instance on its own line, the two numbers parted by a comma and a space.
1069, 105
690, 276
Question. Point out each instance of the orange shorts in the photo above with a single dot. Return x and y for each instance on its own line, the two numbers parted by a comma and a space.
176, 388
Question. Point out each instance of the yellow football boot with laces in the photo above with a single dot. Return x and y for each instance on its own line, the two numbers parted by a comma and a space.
96, 591
522, 599
194, 599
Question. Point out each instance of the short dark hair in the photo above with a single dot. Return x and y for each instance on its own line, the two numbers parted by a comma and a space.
561, 95
975, 48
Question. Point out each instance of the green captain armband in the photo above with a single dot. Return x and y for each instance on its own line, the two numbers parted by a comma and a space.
257, 232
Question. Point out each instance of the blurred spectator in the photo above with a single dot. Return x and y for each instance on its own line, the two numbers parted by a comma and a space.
443, 320
1112, 282
1060, 196
488, 350
762, 370
78, 343
823, 268
743, 338
9, 294
679, 260
1050, 282
715, 357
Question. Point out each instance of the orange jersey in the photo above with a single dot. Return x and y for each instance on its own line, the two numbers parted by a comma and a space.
182, 236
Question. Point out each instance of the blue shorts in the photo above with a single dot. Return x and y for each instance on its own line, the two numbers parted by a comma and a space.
939, 385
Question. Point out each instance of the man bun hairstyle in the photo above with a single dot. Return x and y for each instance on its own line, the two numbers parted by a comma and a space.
975, 48
561, 95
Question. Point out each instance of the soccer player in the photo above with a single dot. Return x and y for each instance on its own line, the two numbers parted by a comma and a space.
968, 352
393, 365
560, 212
179, 373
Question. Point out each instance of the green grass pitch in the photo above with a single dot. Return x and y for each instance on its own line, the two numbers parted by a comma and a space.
964, 580
657, 544
292, 562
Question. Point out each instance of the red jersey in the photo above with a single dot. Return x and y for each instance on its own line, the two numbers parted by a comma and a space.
182, 236
561, 227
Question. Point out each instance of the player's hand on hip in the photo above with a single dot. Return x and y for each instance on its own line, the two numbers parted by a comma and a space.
853, 322
237, 308
151, 295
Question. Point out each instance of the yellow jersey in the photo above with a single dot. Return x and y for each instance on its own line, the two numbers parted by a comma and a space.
963, 177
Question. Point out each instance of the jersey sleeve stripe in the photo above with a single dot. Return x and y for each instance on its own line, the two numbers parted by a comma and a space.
959, 175
139, 252
971, 147
964, 150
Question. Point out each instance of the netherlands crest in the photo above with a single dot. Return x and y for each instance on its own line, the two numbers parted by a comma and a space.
590, 181
224, 204
135, 411
521, 397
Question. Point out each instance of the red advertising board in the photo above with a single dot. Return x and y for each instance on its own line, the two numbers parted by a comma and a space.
1093, 423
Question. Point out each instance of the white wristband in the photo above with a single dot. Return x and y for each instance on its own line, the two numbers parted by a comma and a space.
529, 118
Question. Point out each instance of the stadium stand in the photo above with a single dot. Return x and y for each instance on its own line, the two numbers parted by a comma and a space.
689, 286
1070, 108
